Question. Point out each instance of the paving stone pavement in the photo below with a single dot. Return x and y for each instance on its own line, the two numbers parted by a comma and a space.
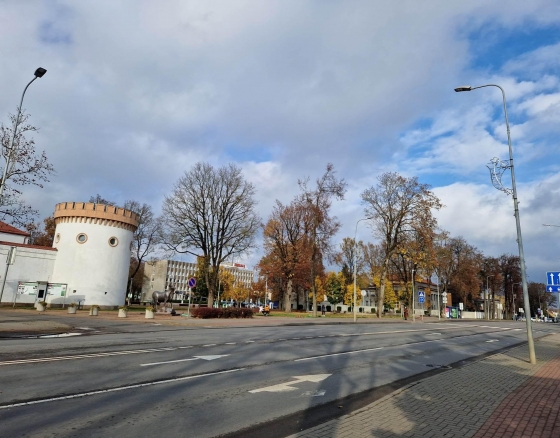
500, 396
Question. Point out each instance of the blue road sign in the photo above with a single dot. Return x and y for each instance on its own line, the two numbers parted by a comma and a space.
421, 296
553, 279
550, 288
192, 282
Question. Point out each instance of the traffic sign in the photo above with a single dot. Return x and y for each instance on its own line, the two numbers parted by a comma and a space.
550, 288
421, 296
192, 282
552, 279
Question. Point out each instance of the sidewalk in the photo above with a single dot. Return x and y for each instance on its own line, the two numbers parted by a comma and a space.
27, 321
500, 396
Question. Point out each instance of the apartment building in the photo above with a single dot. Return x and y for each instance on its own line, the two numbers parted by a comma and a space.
160, 274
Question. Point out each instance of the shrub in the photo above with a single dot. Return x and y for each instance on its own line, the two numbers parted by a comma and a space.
228, 312
95, 306
125, 308
72, 305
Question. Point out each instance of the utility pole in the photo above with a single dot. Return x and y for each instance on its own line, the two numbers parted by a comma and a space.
413, 315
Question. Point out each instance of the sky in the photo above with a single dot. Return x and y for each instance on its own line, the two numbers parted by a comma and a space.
137, 91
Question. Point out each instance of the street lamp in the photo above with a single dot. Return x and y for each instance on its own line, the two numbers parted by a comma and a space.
413, 315
530, 342
355, 251
487, 299
39, 73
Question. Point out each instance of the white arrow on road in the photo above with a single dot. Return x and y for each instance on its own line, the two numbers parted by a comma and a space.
283, 387
217, 356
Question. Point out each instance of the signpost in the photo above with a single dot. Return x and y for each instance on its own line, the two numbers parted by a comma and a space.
553, 285
192, 283
421, 298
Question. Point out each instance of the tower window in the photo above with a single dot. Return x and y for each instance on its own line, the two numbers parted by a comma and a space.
81, 238
113, 241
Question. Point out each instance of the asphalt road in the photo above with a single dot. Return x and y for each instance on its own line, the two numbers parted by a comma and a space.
208, 382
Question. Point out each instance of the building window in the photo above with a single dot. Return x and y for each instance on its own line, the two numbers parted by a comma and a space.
57, 238
81, 238
113, 241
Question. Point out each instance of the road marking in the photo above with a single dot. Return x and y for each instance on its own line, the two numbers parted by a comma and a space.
492, 340
433, 333
209, 345
284, 387
337, 354
319, 393
122, 388
217, 356
249, 342
231, 343
87, 356
320, 336
296, 338
62, 335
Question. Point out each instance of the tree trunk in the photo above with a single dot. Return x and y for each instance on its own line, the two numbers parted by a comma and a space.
211, 287
381, 294
288, 296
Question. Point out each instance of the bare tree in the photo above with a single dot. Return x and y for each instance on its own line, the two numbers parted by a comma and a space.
398, 206
25, 166
350, 252
146, 237
211, 210
98, 199
322, 226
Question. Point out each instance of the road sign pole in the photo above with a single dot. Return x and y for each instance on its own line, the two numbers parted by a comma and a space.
189, 312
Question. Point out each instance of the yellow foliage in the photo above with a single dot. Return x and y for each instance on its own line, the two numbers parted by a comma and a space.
349, 295
390, 299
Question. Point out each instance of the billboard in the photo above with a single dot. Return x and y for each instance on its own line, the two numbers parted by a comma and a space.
57, 289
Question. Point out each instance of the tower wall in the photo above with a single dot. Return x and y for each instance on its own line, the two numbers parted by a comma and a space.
93, 243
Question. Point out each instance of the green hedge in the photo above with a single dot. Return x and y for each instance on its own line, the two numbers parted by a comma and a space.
228, 312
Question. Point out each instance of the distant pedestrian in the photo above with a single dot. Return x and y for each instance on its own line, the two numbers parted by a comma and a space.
323, 310
405, 313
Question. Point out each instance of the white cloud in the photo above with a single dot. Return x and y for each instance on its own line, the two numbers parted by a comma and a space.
137, 91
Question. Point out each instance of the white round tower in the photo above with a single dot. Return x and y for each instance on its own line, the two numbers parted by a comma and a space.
93, 258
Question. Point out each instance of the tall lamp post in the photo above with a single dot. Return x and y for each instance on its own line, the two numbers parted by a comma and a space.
413, 314
355, 251
530, 342
487, 299
39, 73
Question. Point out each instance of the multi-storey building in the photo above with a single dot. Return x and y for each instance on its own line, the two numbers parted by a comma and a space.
160, 274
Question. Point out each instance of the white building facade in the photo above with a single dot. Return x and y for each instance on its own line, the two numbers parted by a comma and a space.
88, 263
